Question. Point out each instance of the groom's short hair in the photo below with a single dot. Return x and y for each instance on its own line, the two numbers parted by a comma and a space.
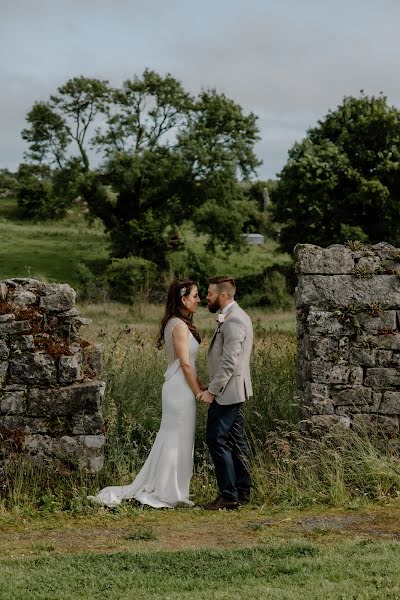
224, 284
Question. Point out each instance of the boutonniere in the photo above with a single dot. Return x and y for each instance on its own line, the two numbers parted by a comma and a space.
221, 318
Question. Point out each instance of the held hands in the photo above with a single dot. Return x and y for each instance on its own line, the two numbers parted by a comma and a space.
205, 396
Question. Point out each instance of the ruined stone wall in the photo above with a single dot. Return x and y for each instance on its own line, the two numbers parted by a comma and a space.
348, 316
49, 395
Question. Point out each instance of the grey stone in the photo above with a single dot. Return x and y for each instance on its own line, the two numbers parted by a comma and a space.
357, 395
342, 290
4, 350
7, 318
326, 372
12, 403
322, 322
65, 401
390, 341
23, 423
356, 375
58, 298
73, 312
3, 368
313, 259
38, 444
23, 342
14, 328
384, 250
390, 404
83, 424
33, 368
377, 423
381, 377
384, 358
373, 325
92, 359
369, 262
92, 441
22, 297
95, 464
69, 368
362, 356
3, 290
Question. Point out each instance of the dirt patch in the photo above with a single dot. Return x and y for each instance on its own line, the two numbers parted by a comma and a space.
147, 530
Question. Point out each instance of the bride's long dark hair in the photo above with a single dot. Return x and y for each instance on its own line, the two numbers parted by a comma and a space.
174, 306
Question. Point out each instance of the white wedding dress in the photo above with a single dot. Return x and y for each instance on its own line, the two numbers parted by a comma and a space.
164, 479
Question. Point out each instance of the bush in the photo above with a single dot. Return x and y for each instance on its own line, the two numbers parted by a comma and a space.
273, 287
131, 278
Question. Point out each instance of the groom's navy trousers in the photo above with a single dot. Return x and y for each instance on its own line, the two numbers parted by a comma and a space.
228, 448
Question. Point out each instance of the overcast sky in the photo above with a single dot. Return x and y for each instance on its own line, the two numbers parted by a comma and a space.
289, 61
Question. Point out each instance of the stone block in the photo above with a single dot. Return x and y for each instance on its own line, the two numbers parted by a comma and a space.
12, 403
384, 358
352, 395
384, 250
381, 377
23, 298
7, 318
92, 360
369, 262
69, 369
356, 375
33, 368
65, 401
333, 260
36, 444
22, 343
83, 424
3, 368
390, 404
363, 357
58, 298
92, 441
4, 350
326, 372
23, 423
14, 328
322, 322
95, 463
373, 325
388, 426
342, 290
388, 341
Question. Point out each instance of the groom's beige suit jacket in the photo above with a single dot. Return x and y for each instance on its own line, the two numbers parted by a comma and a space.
229, 358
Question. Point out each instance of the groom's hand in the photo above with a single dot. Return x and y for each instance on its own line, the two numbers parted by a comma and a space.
207, 397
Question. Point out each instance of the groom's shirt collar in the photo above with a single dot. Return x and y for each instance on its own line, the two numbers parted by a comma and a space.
227, 307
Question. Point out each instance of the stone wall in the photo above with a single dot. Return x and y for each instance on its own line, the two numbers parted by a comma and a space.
348, 316
49, 395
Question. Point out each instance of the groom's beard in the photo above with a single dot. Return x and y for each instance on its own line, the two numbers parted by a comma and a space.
214, 307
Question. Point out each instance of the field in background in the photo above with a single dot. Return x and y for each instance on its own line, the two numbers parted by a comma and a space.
52, 250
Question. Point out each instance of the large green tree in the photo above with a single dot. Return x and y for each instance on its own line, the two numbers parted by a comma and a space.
172, 158
168, 157
343, 180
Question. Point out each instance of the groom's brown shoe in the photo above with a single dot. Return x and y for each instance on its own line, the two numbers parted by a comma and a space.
221, 503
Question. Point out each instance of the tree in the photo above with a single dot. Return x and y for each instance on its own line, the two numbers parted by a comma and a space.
173, 158
48, 135
343, 180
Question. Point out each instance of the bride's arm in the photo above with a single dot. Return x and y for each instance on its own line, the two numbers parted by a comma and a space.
181, 345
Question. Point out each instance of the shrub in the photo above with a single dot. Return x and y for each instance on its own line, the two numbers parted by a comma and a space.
131, 278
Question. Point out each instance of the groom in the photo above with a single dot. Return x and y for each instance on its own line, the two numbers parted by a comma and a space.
230, 385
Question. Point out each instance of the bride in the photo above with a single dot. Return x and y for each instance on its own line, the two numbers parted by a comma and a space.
164, 478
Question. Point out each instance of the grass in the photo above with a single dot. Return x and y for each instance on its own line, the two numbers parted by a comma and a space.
50, 251
357, 569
